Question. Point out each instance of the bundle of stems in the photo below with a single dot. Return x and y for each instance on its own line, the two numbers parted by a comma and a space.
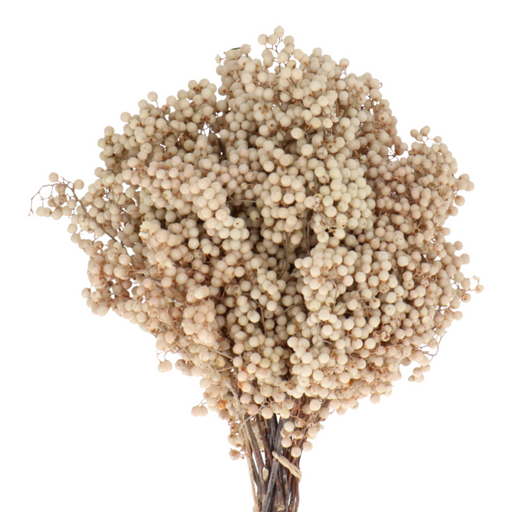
274, 473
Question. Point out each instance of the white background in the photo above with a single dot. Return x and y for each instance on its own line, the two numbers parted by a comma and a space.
86, 421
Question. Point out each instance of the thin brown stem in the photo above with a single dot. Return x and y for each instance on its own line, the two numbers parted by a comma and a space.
263, 438
251, 475
268, 502
257, 453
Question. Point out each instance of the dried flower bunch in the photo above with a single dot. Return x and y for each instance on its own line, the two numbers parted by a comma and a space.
282, 240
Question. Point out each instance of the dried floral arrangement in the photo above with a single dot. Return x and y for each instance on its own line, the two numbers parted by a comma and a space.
278, 235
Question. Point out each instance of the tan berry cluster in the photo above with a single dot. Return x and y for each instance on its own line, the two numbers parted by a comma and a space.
280, 237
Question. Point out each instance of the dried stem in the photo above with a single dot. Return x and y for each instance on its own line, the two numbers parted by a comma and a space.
256, 452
